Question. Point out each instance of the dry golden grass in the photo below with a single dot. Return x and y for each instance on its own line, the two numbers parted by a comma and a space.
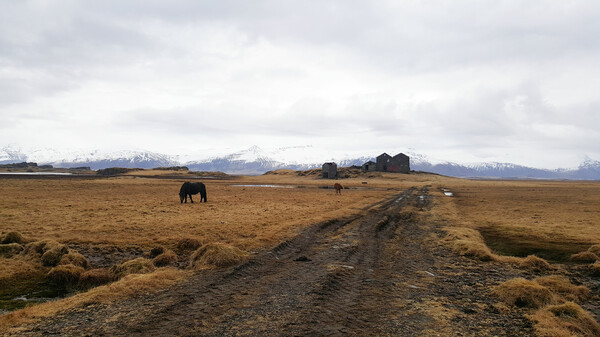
595, 249
74, 258
66, 275
553, 297
128, 286
595, 268
10, 249
136, 266
551, 218
563, 288
128, 210
584, 257
12, 237
215, 255
524, 293
535, 263
96, 277
565, 320
164, 259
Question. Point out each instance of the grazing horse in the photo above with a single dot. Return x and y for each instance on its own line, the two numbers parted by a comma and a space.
192, 188
338, 188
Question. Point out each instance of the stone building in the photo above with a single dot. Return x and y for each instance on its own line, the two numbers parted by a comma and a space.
398, 163
329, 171
369, 166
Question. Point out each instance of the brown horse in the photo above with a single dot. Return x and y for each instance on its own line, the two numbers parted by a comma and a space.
338, 188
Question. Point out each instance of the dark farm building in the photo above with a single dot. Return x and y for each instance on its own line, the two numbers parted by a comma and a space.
398, 163
369, 166
330, 171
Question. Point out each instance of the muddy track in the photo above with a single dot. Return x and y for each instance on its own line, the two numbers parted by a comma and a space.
378, 273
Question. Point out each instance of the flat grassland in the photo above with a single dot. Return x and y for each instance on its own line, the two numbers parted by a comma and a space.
147, 212
551, 219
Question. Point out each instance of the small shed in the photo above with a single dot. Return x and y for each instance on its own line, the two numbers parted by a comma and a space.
369, 166
329, 171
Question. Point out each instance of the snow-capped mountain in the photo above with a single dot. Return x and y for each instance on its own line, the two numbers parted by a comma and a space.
256, 160
95, 159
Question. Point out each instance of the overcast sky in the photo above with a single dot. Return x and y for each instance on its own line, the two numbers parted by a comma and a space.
508, 81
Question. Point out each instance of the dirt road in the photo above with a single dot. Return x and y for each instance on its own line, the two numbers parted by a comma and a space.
380, 273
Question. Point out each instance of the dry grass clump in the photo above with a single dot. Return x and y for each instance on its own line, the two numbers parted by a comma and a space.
128, 286
12, 237
187, 244
564, 320
584, 257
52, 255
535, 263
469, 242
524, 293
595, 268
96, 277
50, 251
216, 255
165, 259
136, 266
74, 258
66, 275
10, 249
561, 286
595, 249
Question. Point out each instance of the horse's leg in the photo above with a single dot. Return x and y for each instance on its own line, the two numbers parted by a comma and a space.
191, 200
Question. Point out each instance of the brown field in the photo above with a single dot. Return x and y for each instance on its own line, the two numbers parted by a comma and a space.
132, 213
552, 219
147, 212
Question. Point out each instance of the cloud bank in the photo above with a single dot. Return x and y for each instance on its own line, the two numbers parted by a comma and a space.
467, 81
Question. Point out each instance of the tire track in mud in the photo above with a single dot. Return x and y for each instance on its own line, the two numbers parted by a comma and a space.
352, 276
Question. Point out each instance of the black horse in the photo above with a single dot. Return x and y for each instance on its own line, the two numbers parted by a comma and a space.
192, 188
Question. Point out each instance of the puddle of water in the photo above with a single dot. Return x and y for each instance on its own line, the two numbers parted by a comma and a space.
271, 186
28, 293
38, 173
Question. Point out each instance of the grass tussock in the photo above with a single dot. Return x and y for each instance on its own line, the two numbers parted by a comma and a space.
187, 244
12, 237
561, 286
74, 258
564, 320
469, 242
524, 293
136, 266
96, 277
128, 286
49, 251
167, 258
216, 255
595, 268
10, 249
53, 255
584, 257
65, 276
595, 249
535, 264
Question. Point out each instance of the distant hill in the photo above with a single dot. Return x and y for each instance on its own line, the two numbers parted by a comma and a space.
255, 160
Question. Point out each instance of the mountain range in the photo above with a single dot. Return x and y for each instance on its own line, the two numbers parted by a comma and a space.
255, 160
